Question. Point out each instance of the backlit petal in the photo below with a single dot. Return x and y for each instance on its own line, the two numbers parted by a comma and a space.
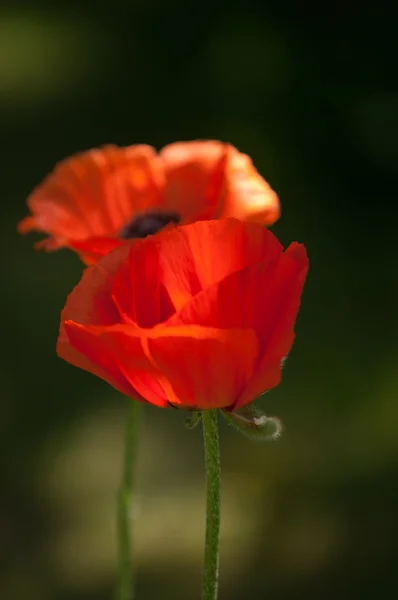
94, 193
276, 332
238, 299
90, 303
246, 195
203, 367
194, 177
138, 290
196, 256
119, 358
92, 249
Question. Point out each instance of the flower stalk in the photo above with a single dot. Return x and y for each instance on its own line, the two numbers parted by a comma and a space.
125, 583
212, 542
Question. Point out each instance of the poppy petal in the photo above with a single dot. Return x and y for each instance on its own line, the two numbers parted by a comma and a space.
119, 358
186, 366
202, 366
198, 255
183, 261
238, 299
246, 194
194, 175
91, 300
92, 249
142, 271
95, 193
91, 304
276, 334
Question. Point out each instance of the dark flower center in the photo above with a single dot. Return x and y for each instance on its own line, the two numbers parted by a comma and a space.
148, 223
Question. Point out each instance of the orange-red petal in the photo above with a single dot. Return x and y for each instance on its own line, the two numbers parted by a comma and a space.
280, 308
238, 299
203, 367
263, 297
208, 179
191, 367
91, 300
194, 177
92, 249
138, 290
95, 193
246, 195
118, 352
90, 303
198, 255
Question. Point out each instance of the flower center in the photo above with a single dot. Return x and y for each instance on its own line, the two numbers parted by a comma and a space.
148, 223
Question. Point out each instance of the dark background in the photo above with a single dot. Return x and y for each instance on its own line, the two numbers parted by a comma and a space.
309, 94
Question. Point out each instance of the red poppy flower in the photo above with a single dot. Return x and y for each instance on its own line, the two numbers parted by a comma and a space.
197, 317
91, 202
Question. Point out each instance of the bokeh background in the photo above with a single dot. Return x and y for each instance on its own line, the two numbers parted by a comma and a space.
310, 95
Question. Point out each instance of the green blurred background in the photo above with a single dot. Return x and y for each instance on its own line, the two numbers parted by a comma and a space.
310, 95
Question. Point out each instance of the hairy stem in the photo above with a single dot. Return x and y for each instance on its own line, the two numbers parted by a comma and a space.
125, 584
212, 543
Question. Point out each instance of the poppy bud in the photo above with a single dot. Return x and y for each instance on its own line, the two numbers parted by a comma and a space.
254, 424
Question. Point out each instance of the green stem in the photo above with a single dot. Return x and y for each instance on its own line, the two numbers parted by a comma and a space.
212, 543
125, 506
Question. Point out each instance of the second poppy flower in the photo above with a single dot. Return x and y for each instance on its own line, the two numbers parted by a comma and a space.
93, 201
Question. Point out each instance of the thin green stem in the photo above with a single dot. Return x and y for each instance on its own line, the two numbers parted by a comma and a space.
125, 582
212, 543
